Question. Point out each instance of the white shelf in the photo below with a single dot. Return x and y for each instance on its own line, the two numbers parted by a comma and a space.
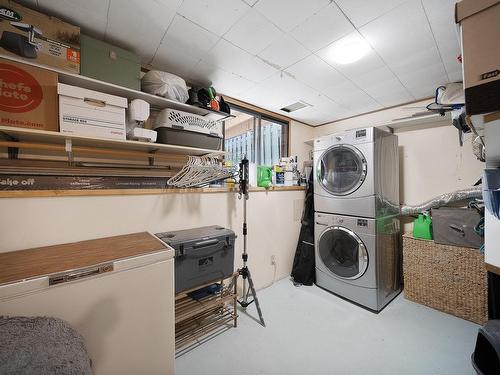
43, 136
419, 121
155, 101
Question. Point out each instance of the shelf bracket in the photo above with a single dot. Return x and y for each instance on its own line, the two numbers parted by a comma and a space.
151, 158
68, 146
13, 152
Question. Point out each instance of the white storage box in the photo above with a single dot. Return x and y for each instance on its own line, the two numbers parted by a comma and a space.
91, 113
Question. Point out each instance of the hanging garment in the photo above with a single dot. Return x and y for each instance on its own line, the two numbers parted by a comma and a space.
303, 270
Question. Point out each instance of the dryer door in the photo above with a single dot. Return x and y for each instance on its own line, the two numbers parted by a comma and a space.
343, 253
341, 169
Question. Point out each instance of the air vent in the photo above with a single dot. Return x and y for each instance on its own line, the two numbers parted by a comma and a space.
295, 106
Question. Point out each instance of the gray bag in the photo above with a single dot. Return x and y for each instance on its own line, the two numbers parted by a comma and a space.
455, 226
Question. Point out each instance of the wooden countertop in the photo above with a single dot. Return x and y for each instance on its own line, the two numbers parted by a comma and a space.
40, 261
108, 192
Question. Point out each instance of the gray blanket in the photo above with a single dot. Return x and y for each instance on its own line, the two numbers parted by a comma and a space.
41, 346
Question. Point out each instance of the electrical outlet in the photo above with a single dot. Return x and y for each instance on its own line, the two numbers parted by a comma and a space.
273, 260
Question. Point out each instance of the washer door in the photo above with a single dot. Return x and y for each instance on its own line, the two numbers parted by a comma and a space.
341, 169
343, 253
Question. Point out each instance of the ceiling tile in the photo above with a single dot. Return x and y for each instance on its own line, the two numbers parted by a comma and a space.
315, 72
421, 73
284, 52
360, 12
253, 32
400, 33
215, 16
383, 86
442, 21
233, 59
124, 29
283, 84
286, 14
322, 28
174, 4
90, 15
367, 63
198, 42
351, 97
224, 82
173, 59
261, 96
312, 116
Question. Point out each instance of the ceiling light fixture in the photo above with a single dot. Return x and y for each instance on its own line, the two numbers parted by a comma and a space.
349, 49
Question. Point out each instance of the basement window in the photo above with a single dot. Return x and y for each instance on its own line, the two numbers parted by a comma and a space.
261, 138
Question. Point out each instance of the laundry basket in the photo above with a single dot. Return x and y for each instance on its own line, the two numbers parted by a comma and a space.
448, 278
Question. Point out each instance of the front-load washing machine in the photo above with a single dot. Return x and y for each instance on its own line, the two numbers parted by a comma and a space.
357, 173
358, 258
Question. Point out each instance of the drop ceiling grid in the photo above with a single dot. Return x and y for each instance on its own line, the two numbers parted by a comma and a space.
284, 41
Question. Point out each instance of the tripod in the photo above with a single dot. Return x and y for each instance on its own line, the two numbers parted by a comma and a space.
244, 271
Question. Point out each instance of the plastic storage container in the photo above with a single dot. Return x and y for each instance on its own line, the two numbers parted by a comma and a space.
455, 226
202, 255
109, 63
186, 129
486, 356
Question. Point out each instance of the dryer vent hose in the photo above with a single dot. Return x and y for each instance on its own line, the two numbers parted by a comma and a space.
442, 200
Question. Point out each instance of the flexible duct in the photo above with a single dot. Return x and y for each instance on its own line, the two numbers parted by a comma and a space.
442, 200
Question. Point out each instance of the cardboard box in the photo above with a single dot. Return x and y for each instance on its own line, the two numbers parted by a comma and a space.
91, 113
29, 35
28, 96
480, 29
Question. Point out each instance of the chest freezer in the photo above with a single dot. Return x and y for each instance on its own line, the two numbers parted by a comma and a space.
117, 292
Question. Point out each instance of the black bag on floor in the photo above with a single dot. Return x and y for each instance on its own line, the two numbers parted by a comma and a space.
303, 270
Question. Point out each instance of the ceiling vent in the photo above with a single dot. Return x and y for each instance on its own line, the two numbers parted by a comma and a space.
294, 107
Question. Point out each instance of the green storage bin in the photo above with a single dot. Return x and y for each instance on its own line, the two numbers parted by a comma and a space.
109, 63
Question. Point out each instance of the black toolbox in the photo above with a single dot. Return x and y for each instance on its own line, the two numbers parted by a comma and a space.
202, 255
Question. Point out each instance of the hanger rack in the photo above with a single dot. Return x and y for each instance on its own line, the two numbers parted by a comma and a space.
202, 170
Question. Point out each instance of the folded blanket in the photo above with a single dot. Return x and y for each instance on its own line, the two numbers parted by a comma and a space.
41, 346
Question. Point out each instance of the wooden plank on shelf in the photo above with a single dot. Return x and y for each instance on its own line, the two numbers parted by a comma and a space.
42, 261
50, 137
61, 168
491, 268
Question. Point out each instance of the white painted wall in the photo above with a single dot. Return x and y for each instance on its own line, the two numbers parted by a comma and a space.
273, 222
299, 133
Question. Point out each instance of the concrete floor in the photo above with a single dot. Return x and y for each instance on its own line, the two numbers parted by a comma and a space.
310, 331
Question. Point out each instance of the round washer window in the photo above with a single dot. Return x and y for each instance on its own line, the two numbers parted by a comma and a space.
343, 253
342, 170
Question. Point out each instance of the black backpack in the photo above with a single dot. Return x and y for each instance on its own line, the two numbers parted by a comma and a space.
303, 270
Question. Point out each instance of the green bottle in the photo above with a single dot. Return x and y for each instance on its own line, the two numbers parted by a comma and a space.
422, 227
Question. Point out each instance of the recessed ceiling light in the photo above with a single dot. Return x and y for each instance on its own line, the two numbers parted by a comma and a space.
349, 49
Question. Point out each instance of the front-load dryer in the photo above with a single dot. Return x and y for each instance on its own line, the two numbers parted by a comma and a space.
357, 173
358, 258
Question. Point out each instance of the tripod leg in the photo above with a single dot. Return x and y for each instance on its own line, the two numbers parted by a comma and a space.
256, 300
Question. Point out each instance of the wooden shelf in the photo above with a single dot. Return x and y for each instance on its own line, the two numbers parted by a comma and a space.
196, 319
110, 192
155, 101
412, 123
43, 136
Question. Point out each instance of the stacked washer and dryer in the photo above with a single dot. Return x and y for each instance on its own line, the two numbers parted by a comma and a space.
356, 203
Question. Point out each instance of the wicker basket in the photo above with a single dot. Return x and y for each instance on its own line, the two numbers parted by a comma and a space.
447, 278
